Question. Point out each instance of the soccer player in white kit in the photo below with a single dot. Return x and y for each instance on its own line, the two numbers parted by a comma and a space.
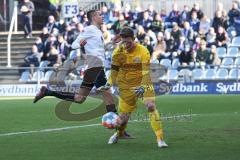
94, 75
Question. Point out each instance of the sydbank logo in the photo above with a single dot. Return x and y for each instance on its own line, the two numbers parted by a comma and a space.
234, 87
189, 88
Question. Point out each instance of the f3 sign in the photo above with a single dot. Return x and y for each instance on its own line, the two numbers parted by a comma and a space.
70, 9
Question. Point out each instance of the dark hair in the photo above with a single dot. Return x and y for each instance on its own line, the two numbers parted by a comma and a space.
90, 14
127, 32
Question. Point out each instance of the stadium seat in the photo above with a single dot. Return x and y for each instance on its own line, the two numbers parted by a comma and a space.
175, 63
237, 61
236, 42
184, 75
172, 74
227, 62
232, 52
210, 74
24, 76
37, 75
154, 61
221, 51
234, 73
47, 75
166, 63
42, 65
222, 74
198, 74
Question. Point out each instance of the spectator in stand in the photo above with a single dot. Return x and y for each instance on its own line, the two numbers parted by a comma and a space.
182, 44
163, 15
51, 42
78, 30
54, 8
151, 12
53, 58
204, 25
237, 25
196, 8
157, 24
160, 48
153, 37
39, 44
211, 37
184, 16
174, 14
69, 35
61, 25
74, 22
106, 15
170, 45
140, 34
218, 20
119, 24
62, 48
221, 9
186, 57
194, 22
80, 16
202, 53
146, 21
26, 9
44, 35
137, 15
213, 58
196, 45
188, 32
32, 60
222, 37
176, 33
127, 13
233, 13
106, 34
85, 20
147, 44
51, 24
114, 14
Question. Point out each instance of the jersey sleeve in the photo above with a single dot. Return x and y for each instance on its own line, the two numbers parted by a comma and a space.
88, 33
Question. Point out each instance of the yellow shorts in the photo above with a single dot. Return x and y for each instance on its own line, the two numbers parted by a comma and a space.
128, 99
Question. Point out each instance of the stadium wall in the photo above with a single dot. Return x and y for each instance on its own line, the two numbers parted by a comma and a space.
177, 88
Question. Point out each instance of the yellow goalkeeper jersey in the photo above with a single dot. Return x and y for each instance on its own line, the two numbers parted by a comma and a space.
133, 67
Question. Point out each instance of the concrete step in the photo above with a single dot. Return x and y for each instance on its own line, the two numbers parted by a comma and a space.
16, 47
18, 43
21, 51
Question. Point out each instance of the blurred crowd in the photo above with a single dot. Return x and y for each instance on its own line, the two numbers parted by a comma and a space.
187, 33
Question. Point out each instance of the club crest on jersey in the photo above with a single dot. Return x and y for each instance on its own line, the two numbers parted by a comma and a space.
137, 60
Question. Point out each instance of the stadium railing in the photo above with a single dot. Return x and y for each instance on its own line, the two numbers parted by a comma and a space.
13, 25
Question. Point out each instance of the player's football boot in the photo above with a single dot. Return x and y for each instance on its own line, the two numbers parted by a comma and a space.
113, 139
125, 135
162, 144
40, 94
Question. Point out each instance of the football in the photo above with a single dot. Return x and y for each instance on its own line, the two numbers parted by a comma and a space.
110, 120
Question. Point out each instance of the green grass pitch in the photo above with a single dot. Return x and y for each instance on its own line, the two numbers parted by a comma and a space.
210, 132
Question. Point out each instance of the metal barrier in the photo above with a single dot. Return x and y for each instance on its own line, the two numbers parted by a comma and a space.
13, 25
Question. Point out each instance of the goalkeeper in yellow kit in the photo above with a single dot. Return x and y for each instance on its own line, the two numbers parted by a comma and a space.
130, 72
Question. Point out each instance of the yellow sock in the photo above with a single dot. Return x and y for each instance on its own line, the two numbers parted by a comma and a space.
156, 124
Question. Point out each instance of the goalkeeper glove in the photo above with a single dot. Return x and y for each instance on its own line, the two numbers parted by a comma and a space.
139, 91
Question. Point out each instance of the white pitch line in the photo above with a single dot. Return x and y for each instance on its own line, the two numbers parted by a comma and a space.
98, 124
48, 130
73, 127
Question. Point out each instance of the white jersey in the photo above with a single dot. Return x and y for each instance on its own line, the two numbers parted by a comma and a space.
94, 47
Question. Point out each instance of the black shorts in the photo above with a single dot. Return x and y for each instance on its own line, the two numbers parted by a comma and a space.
94, 77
